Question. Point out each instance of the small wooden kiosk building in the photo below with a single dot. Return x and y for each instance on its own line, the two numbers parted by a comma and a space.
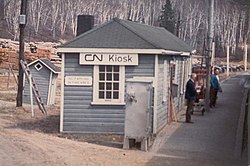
97, 63
45, 75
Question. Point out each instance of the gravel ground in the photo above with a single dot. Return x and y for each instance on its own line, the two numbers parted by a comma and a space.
35, 141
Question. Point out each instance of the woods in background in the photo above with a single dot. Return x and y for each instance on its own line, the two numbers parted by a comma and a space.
57, 19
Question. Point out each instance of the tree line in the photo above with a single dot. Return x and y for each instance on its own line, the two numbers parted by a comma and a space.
57, 19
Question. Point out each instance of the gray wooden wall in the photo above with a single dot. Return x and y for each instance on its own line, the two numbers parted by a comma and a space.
42, 78
82, 117
162, 113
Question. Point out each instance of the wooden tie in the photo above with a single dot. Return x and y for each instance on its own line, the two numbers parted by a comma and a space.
34, 86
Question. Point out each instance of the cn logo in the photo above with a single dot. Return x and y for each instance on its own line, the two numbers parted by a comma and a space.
93, 57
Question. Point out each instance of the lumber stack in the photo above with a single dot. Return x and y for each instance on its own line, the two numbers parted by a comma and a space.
9, 56
40, 53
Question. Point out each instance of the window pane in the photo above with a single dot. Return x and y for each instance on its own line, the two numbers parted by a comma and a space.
102, 68
109, 76
116, 86
102, 76
109, 68
109, 82
173, 71
116, 68
108, 86
108, 95
101, 86
116, 77
115, 95
38, 66
101, 94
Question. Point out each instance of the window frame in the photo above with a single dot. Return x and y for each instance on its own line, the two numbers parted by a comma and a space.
38, 69
165, 82
175, 70
96, 99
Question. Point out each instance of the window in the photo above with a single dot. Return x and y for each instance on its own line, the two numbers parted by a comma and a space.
174, 69
38, 66
183, 75
108, 84
165, 81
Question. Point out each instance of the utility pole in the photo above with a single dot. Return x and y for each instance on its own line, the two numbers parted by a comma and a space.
245, 57
1, 10
228, 49
210, 36
22, 23
213, 54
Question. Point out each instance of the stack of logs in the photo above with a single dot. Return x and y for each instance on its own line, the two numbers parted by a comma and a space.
40, 53
9, 56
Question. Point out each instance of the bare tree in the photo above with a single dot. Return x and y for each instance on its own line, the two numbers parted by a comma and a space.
53, 16
60, 16
36, 10
11, 17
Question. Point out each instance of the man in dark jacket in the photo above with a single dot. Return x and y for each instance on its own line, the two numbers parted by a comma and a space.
190, 96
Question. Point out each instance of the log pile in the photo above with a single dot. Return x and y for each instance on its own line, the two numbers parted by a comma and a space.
9, 56
40, 53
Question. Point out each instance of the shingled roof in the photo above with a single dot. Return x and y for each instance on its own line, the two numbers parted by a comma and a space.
47, 63
125, 34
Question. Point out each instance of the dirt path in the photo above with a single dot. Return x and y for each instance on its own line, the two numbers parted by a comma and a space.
19, 146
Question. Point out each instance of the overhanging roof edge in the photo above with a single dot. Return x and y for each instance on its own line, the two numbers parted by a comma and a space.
109, 50
122, 50
39, 60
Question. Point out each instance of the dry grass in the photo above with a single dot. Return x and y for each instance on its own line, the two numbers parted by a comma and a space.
48, 124
8, 96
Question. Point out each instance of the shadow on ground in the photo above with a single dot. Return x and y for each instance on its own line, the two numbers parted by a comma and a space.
50, 125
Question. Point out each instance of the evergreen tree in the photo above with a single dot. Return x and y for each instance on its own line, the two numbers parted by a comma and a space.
167, 19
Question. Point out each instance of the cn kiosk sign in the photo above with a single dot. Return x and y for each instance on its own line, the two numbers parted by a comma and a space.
108, 59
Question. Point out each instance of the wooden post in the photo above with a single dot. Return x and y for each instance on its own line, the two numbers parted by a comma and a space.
19, 101
8, 83
11, 69
227, 60
31, 97
213, 54
210, 36
245, 57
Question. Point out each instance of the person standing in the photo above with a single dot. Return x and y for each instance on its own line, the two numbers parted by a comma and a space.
214, 87
190, 96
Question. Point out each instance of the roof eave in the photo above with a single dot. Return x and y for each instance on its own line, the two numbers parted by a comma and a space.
121, 50
39, 60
